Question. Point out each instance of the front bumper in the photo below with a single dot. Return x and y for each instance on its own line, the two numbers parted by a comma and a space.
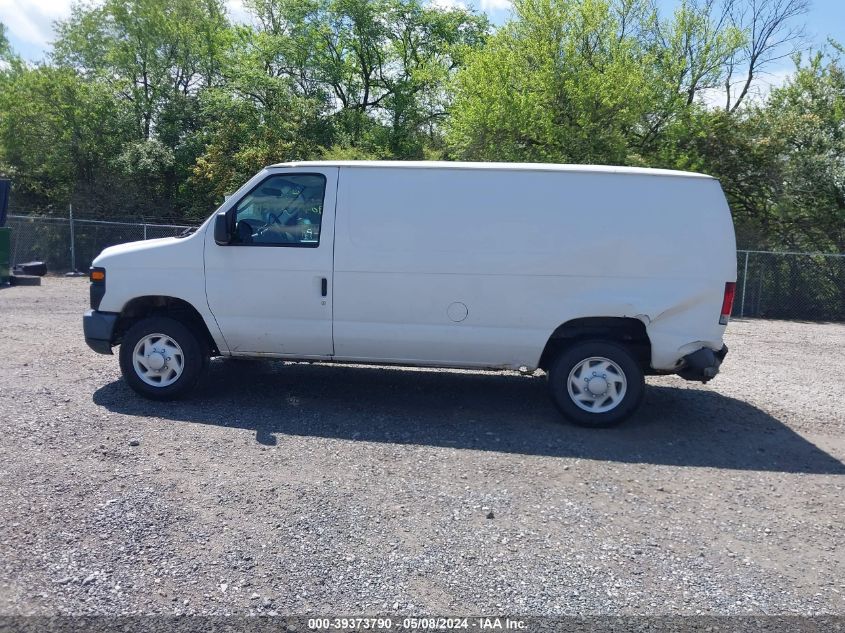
703, 364
99, 329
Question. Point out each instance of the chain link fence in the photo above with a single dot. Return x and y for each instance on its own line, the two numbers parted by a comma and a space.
770, 285
787, 285
66, 244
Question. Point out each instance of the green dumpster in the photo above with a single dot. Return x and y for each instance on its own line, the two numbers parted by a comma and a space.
5, 253
5, 234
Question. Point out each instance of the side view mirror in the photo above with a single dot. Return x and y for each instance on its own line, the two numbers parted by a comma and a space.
222, 229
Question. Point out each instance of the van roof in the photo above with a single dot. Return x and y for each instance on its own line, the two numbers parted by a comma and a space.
438, 164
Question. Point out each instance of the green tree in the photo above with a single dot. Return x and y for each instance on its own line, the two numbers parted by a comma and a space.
804, 119
244, 135
606, 80
5, 47
58, 134
380, 67
159, 107
781, 161
694, 48
149, 51
561, 82
770, 34
155, 57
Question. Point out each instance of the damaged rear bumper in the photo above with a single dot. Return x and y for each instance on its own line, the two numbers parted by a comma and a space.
703, 364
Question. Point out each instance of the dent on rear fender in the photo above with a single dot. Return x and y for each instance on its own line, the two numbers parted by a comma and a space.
682, 328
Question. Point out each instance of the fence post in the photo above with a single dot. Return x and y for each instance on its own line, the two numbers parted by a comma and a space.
72, 240
744, 281
145, 230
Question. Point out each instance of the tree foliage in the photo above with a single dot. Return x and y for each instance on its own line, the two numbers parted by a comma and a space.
561, 83
157, 108
5, 48
152, 53
804, 125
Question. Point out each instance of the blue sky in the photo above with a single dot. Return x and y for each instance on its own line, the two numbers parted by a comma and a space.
825, 19
29, 22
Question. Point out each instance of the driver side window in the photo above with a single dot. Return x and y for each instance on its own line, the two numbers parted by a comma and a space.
284, 210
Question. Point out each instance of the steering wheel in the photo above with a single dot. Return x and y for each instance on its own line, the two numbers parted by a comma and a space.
285, 217
280, 236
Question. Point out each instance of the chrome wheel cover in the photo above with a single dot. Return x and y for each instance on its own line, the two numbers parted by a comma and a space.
597, 384
158, 360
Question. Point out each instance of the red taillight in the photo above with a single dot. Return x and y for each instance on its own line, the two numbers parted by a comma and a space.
728, 302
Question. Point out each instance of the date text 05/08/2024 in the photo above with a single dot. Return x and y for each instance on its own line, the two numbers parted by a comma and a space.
416, 623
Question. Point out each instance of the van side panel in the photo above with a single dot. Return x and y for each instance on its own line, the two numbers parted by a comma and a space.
524, 252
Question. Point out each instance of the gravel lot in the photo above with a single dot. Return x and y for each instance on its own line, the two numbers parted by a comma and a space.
294, 488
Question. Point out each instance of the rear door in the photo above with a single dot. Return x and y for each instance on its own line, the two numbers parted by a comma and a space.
271, 289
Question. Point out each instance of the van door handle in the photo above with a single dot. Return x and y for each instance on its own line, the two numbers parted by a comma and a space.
325, 287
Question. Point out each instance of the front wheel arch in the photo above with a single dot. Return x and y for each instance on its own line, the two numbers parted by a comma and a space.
161, 305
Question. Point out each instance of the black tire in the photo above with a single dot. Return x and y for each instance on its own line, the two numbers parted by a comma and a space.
24, 280
580, 351
195, 357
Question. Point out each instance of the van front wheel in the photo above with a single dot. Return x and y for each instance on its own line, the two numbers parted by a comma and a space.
162, 359
596, 383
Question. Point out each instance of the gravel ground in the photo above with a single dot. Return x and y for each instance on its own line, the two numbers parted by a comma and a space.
309, 489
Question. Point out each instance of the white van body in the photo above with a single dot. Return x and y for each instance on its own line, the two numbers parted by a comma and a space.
472, 265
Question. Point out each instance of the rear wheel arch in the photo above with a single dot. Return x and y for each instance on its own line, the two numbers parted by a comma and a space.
175, 308
627, 331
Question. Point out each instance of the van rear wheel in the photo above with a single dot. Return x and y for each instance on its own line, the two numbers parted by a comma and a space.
596, 383
161, 359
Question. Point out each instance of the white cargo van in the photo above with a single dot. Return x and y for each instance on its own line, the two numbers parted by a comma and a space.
597, 275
